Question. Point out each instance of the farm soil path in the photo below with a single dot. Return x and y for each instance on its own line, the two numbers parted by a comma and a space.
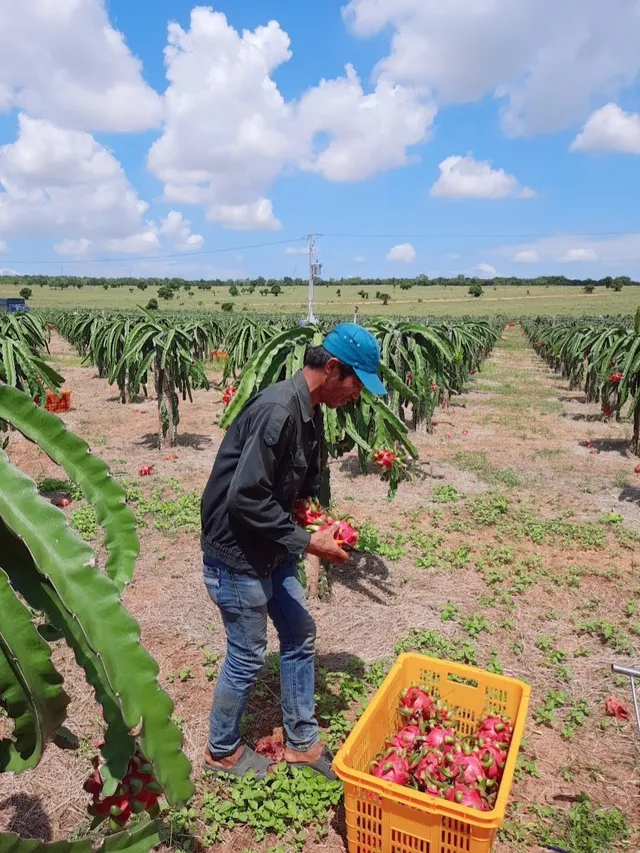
517, 430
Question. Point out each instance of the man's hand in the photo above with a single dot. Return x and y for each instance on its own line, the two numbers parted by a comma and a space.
324, 545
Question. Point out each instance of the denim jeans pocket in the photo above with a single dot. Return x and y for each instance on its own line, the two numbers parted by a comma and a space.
212, 580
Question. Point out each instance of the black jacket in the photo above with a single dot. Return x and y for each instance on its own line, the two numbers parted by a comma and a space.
269, 458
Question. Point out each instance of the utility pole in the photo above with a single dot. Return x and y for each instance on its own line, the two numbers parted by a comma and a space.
314, 271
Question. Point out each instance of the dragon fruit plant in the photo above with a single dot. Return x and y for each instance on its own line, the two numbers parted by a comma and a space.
429, 755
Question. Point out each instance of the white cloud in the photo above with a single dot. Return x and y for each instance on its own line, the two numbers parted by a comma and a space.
578, 255
550, 61
144, 242
526, 256
487, 269
63, 183
609, 129
74, 248
63, 61
177, 230
403, 252
229, 132
367, 133
294, 250
359, 259
464, 177
575, 248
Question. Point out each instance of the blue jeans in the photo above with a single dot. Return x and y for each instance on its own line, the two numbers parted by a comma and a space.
245, 602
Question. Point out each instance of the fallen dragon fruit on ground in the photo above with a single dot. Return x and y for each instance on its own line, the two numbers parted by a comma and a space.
309, 514
429, 755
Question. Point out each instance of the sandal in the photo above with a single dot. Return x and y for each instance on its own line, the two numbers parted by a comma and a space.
321, 766
248, 761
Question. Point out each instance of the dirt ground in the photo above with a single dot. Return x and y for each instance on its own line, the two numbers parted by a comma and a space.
517, 430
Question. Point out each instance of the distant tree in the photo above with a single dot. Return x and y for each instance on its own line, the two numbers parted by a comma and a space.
142, 285
588, 288
227, 306
165, 292
106, 286
363, 294
338, 293
616, 286
152, 305
406, 285
25, 293
475, 289
383, 297
275, 289
233, 290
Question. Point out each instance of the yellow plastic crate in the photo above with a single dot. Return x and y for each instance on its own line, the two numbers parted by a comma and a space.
383, 817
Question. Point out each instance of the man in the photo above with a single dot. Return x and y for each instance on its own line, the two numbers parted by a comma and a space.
269, 459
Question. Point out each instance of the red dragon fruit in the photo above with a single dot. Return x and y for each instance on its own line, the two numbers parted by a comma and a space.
310, 515
467, 768
416, 701
392, 768
434, 387
407, 738
493, 760
466, 796
616, 378
228, 394
146, 470
63, 503
439, 737
346, 534
607, 411
386, 459
138, 791
496, 729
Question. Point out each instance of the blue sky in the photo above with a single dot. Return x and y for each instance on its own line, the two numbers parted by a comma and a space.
469, 138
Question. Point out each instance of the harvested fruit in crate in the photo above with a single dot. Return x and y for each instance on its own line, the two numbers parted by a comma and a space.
429, 755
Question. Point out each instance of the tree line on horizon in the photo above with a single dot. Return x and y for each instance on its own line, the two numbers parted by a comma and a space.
250, 285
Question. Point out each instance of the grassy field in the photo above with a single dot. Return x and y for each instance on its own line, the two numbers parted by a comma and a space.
419, 301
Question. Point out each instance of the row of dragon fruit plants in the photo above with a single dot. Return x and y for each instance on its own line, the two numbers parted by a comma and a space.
600, 356
422, 364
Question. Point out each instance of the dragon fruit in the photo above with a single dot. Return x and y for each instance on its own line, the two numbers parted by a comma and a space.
392, 768
146, 470
138, 791
439, 737
616, 378
309, 514
407, 738
429, 754
467, 768
496, 729
386, 459
346, 534
416, 700
228, 394
466, 796
607, 411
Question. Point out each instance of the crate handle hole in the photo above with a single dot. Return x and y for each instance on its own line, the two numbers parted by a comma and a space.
468, 682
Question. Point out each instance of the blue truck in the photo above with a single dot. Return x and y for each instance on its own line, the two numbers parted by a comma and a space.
12, 303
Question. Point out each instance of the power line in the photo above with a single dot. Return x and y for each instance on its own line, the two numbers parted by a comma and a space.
152, 258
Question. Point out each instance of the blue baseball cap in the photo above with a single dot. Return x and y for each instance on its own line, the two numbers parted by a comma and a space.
356, 347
